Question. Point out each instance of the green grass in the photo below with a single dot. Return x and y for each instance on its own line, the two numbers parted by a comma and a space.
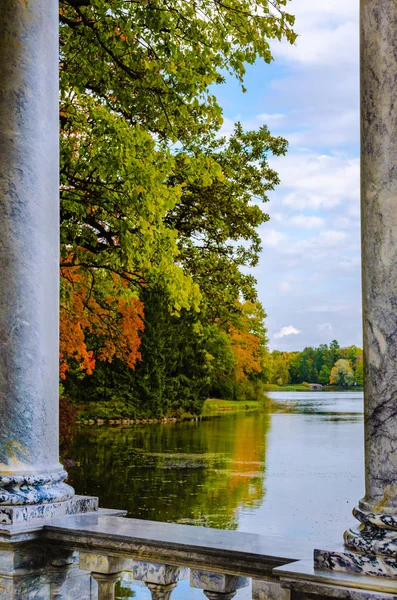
297, 387
214, 406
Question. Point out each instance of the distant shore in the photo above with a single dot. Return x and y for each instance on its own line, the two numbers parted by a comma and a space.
300, 387
212, 407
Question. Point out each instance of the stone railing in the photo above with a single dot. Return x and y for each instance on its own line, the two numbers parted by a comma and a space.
162, 554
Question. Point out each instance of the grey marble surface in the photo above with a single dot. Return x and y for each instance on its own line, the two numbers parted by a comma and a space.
302, 576
379, 248
159, 574
183, 545
21, 515
269, 590
364, 562
29, 254
217, 582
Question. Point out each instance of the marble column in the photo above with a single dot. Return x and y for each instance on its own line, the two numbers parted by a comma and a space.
30, 471
374, 543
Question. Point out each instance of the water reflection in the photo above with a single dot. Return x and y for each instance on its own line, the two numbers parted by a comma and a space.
295, 470
196, 472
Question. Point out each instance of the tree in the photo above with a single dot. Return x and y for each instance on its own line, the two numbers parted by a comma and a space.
324, 375
359, 373
136, 78
342, 373
216, 219
279, 368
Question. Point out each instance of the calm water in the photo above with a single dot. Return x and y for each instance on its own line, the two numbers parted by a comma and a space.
296, 470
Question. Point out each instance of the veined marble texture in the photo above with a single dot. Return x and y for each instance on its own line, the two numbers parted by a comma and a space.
355, 562
381, 520
19, 515
157, 573
379, 249
30, 472
34, 489
217, 582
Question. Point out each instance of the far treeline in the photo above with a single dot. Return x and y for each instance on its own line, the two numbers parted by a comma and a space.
159, 212
327, 365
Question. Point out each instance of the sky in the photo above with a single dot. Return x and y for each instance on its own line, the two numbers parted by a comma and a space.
309, 270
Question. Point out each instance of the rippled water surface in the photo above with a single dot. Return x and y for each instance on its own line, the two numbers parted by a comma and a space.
293, 470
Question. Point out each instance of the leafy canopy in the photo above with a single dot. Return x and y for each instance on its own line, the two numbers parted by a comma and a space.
149, 195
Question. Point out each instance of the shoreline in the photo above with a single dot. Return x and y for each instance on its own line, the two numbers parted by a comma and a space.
212, 407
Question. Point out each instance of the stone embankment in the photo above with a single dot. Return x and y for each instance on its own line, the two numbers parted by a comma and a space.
127, 421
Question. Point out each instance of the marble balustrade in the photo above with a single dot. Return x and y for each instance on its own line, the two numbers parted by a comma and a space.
82, 556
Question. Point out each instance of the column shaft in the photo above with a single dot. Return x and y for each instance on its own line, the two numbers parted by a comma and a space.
29, 253
379, 248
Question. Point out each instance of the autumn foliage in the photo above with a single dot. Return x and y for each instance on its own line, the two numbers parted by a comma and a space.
113, 320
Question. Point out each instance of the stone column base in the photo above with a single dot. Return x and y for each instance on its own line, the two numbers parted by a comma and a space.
306, 582
23, 515
370, 549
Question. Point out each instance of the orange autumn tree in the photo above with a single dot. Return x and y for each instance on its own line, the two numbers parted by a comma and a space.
248, 340
112, 318
236, 354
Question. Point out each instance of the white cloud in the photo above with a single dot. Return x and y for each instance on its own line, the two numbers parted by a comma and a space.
323, 46
288, 330
285, 286
325, 327
326, 127
311, 180
327, 31
326, 308
272, 238
270, 119
277, 217
323, 242
307, 222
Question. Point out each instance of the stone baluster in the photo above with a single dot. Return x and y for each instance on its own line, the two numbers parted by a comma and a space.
372, 548
105, 570
67, 580
269, 589
160, 579
30, 472
217, 586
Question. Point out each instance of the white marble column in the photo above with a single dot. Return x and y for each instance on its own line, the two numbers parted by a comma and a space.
379, 248
374, 544
30, 471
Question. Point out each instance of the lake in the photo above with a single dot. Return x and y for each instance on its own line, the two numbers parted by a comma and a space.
296, 469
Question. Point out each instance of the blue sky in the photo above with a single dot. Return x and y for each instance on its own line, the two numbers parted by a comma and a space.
309, 272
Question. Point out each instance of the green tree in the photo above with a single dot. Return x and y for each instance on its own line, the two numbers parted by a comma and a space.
136, 78
342, 373
155, 207
279, 368
324, 375
359, 373
216, 219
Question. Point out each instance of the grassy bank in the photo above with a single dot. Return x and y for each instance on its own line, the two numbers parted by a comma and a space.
300, 387
297, 387
214, 406
118, 413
